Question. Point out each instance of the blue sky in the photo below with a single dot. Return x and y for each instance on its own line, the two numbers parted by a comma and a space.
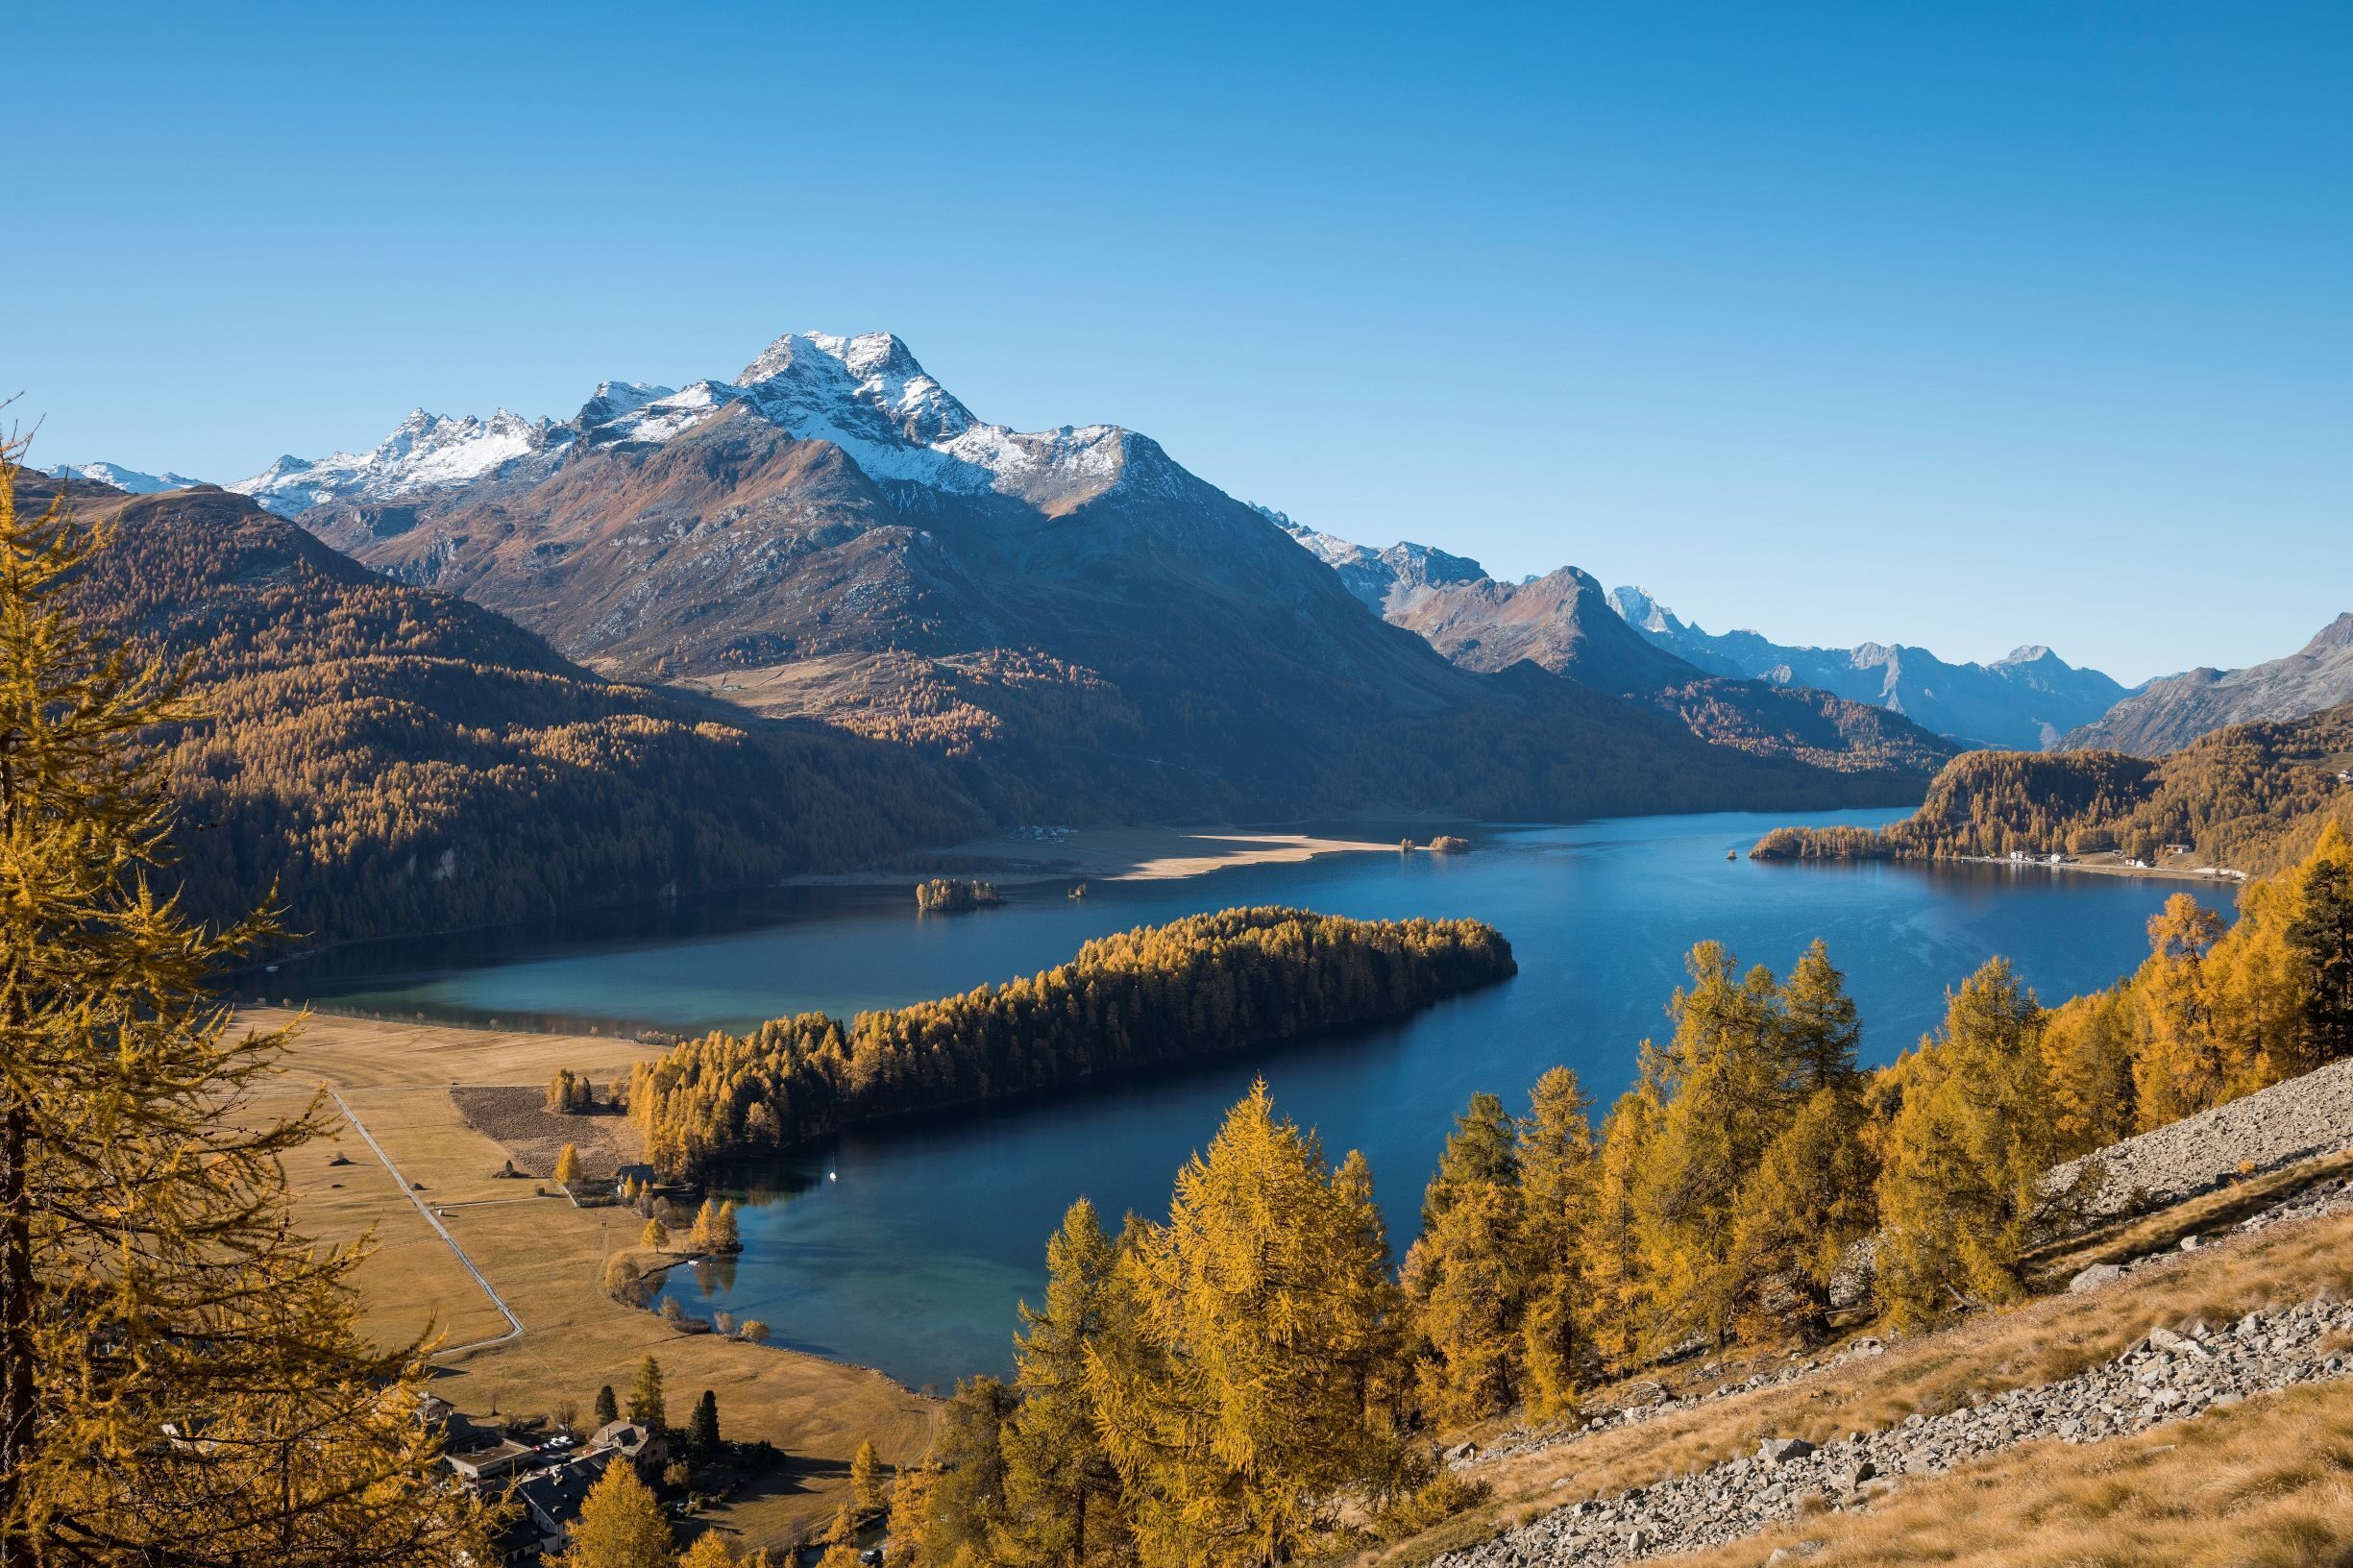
1960, 325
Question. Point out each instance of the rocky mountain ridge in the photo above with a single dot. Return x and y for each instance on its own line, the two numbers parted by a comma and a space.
2169, 713
1562, 622
2026, 702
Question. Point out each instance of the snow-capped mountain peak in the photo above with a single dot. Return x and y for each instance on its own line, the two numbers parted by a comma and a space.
425, 452
866, 394
129, 481
615, 399
1639, 609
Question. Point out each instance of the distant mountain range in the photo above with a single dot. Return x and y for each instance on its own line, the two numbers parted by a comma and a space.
2168, 714
1624, 641
128, 480
2026, 702
1564, 623
1071, 623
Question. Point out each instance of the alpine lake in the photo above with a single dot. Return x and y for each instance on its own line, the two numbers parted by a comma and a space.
906, 1246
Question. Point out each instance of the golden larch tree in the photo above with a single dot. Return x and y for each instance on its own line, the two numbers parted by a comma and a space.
182, 1380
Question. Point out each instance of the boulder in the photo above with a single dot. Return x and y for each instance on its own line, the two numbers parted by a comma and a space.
2093, 1278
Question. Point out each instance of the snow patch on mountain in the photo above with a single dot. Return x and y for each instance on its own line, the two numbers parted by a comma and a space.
129, 481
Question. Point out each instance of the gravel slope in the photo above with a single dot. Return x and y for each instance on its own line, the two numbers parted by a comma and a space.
2163, 1378
2286, 1122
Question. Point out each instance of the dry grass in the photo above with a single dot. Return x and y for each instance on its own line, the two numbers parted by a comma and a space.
2267, 1484
516, 1118
363, 1053
546, 1258
2034, 1344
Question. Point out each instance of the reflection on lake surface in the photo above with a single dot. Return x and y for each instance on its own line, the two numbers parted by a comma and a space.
906, 1247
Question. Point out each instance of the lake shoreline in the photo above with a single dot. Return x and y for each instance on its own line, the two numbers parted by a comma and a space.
2211, 875
1108, 854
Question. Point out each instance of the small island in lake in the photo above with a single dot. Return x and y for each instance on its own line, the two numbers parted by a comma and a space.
1194, 987
1446, 843
951, 895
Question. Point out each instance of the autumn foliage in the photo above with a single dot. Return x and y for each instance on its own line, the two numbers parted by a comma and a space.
1204, 984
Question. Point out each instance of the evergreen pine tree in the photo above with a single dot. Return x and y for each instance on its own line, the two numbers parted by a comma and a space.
703, 1437
608, 1409
2321, 937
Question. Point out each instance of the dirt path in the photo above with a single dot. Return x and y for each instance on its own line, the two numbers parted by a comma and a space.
514, 1330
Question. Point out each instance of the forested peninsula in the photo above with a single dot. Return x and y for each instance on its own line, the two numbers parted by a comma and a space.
1195, 987
2254, 797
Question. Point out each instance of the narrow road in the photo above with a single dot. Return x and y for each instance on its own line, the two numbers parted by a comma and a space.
514, 1324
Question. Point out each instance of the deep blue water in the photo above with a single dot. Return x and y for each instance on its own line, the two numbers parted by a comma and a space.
906, 1247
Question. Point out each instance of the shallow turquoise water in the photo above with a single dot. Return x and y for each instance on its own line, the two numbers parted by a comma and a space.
906, 1247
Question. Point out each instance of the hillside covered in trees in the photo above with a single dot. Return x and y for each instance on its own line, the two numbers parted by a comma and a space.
1197, 986
1247, 1382
393, 759
2254, 797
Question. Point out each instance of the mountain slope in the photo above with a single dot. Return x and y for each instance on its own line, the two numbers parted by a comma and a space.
1075, 622
2168, 713
2253, 797
1564, 623
2023, 702
400, 760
